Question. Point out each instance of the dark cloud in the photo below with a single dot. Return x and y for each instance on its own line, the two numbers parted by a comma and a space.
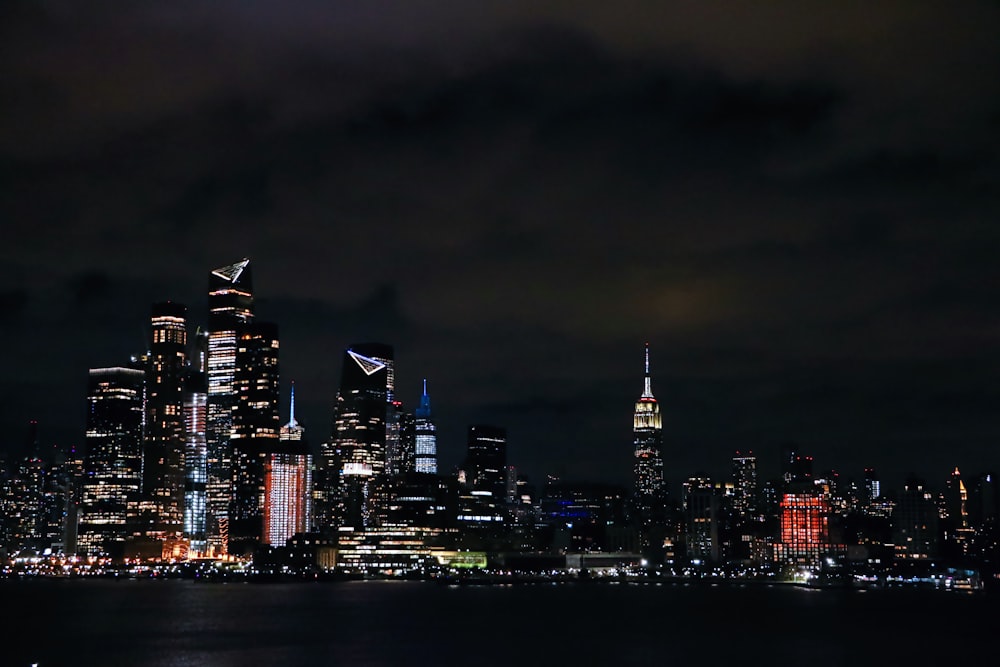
13, 303
792, 202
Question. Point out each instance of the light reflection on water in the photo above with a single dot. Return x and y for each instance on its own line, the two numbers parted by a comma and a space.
188, 624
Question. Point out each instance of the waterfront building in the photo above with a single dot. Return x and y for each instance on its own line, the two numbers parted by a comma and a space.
583, 516
483, 497
425, 439
255, 431
356, 452
288, 484
161, 508
419, 500
230, 309
486, 460
915, 522
805, 529
113, 460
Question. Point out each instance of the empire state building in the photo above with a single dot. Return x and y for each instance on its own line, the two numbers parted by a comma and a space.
647, 428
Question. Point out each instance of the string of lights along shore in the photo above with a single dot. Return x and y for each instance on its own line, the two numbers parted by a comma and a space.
185, 459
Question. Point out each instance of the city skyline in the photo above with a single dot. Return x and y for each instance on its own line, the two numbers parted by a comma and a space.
892, 477
794, 205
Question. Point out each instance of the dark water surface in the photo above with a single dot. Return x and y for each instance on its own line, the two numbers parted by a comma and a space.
182, 623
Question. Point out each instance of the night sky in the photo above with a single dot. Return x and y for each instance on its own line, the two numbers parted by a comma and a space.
795, 203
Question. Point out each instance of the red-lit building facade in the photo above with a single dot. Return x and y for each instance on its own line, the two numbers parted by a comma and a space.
805, 529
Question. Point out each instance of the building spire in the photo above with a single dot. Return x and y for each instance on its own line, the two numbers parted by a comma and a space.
291, 409
425, 404
647, 391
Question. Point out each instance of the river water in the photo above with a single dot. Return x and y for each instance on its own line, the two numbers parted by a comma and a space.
175, 623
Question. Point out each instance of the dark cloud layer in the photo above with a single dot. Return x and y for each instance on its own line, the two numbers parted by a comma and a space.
795, 204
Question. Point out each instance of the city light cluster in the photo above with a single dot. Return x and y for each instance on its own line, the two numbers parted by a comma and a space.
186, 470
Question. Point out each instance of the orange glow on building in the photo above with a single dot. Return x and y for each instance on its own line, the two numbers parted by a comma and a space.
287, 496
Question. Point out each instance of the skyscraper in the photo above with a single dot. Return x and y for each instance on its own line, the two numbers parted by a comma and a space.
113, 463
195, 451
230, 308
162, 504
288, 484
483, 501
394, 455
744, 484
356, 452
425, 437
647, 428
486, 460
255, 430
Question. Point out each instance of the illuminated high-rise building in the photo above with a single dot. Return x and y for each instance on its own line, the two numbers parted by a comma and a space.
744, 485
288, 484
356, 452
805, 529
873, 487
486, 460
162, 503
425, 439
394, 454
255, 431
647, 428
230, 309
196, 452
915, 518
113, 462
483, 499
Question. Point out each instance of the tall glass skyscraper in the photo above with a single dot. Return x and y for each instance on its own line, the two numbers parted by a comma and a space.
162, 505
486, 460
113, 463
647, 429
255, 431
356, 452
425, 437
196, 451
230, 309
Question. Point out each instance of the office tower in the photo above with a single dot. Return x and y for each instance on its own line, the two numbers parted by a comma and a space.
483, 497
407, 443
357, 449
393, 444
230, 308
745, 485
288, 484
486, 460
195, 449
255, 431
162, 502
647, 427
873, 487
113, 462
702, 516
425, 440
914, 522
23, 503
